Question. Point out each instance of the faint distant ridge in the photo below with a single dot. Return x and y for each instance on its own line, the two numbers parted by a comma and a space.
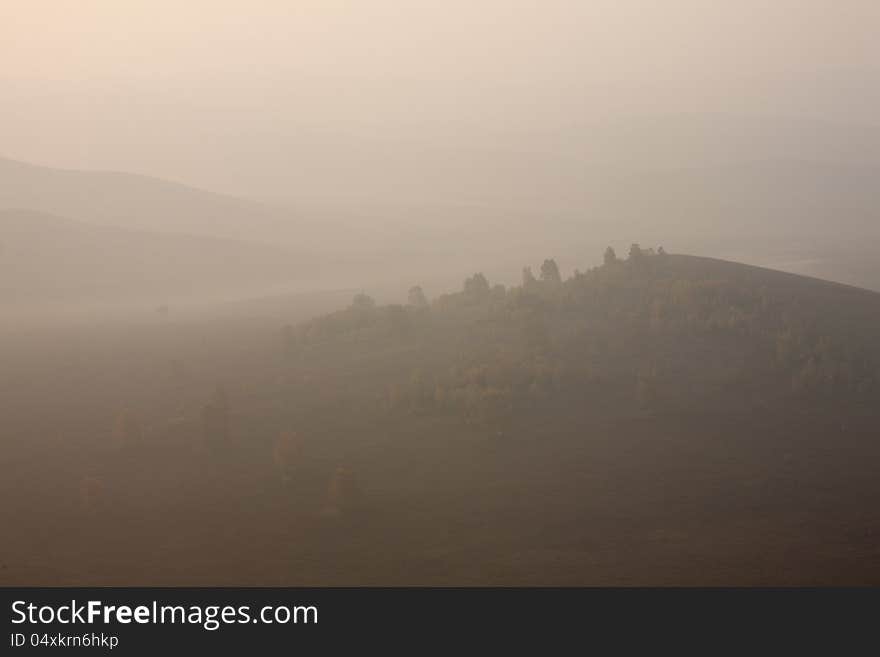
138, 202
45, 259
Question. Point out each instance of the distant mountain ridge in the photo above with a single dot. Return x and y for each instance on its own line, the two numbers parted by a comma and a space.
46, 258
137, 202
810, 216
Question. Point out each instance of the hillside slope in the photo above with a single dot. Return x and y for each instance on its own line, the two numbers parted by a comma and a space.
673, 327
47, 258
661, 419
137, 202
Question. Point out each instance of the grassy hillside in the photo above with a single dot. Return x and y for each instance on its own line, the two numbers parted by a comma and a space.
660, 419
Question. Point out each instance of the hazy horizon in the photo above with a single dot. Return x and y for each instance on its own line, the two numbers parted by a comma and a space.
418, 141
283, 101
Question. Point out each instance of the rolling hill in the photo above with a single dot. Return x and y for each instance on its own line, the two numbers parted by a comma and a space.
45, 258
137, 202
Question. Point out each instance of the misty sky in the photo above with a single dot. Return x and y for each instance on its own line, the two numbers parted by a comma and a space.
246, 97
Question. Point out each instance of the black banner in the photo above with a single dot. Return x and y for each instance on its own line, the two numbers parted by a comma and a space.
149, 620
